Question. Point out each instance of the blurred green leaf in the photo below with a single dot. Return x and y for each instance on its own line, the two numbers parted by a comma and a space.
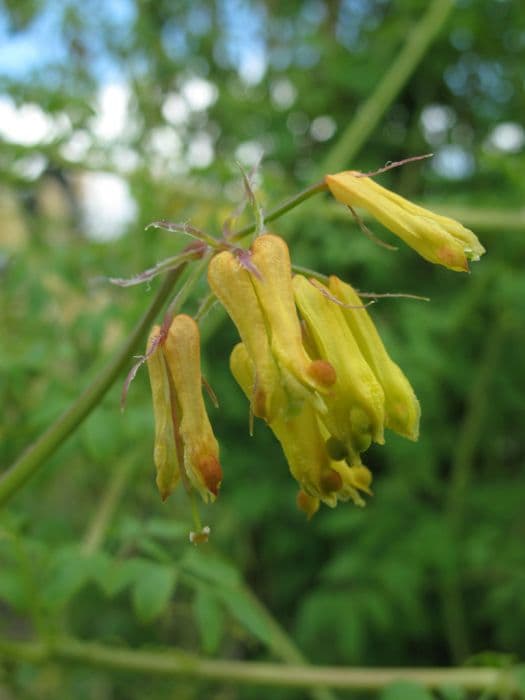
152, 589
209, 617
68, 572
404, 690
247, 614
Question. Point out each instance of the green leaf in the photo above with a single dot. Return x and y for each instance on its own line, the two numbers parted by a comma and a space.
518, 675
452, 692
211, 568
209, 617
153, 589
247, 614
115, 576
167, 529
403, 690
68, 573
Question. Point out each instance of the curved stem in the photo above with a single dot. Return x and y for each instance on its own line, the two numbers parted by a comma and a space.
24, 468
178, 663
462, 468
283, 208
393, 81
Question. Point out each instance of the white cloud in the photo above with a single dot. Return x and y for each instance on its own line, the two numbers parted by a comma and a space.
508, 137
107, 205
112, 118
29, 125
175, 109
200, 151
323, 128
249, 153
199, 93
283, 93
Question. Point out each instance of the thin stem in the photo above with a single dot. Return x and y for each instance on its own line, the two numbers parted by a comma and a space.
278, 642
109, 502
178, 663
462, 467
282, 645
282, 209
27, 465
372, 110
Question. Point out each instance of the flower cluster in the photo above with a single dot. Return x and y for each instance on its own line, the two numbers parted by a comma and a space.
310, 361
314, 368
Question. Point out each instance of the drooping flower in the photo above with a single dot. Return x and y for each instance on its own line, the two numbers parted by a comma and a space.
402, 411
356, 410
436, 238
303, 439
200, 447
165, 450
259, 299
184, 439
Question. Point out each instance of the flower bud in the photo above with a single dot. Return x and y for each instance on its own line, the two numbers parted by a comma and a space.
402, 410
164, 452
201, 450
436, 238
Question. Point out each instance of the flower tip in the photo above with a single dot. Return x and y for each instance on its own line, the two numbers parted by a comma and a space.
308, 504
211, 472
331, 481
322, 372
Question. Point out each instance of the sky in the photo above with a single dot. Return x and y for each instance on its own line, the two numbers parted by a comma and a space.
41, 43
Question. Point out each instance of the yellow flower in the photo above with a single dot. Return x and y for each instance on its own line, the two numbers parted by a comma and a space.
259, 299
232, 285
436, 238
200, 448
164, 451
402, 410
182, 428
356, 411
303, 440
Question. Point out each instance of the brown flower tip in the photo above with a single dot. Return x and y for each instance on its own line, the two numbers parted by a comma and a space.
322, 372
331, 481
259, 403
211, 473
308, 504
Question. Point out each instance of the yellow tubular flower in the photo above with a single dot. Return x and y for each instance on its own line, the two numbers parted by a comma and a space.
436, 238
356, 404
274, 290
300, 438
402, 410
164, 452
201, 450
231, 283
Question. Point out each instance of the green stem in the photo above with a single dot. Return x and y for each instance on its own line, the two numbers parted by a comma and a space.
283, 646
27, 465
462, 467
372, 110
282, 209
178, 663
101, 520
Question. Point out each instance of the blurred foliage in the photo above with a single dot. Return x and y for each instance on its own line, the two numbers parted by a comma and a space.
433, 570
